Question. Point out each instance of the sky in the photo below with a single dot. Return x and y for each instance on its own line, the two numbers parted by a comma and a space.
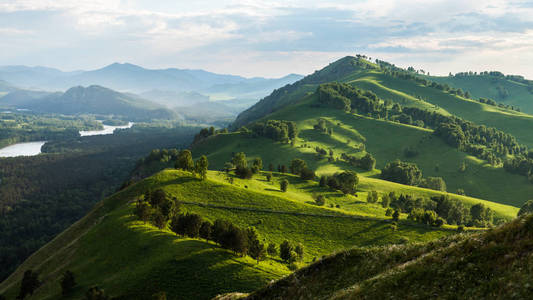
268, 38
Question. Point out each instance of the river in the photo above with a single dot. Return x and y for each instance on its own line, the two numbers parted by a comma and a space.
22, 149
34, 148
107, 130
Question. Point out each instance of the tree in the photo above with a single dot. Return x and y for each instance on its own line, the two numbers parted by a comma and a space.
297, 165
30, 282
256, 249
283, 169
299, 250
157, 198
235, 239
95, 293
481, 215
283, 185
372, 197
68, 282
205, 230
158, 219
348, 181
323, 181
200, 167
142, 210
527, 208
272, 250
434, 183
396, 215
320, 200
239, 160
307, 174
185, 161
269, 177
286, 251
385, 201
368, 162
257, 165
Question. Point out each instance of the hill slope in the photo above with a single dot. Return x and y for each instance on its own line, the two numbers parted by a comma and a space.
126, 257
494, 264
511, 89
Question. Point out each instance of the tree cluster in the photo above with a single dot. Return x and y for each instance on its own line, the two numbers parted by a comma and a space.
277, 130
156, 207
345, 181
367, 162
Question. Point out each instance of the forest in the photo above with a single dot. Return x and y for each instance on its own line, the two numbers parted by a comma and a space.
42, 195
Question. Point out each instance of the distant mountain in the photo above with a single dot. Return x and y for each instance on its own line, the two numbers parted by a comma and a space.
88, 100
6, 87
173, 99
133, 78
254, 87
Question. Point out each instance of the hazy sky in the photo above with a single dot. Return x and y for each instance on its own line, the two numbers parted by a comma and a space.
268, 38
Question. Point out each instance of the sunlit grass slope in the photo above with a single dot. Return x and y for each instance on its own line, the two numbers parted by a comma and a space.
385, 140
127, 258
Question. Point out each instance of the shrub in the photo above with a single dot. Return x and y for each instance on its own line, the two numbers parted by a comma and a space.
283, 185
320, 200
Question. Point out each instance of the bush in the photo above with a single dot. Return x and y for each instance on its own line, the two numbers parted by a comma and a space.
320, 200
272, 250
283, 185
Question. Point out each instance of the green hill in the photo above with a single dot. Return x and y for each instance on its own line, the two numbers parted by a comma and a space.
494, 264
128, 258
359, 133
510, 90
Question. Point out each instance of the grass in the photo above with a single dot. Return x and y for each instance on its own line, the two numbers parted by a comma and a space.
128, 258
385, 140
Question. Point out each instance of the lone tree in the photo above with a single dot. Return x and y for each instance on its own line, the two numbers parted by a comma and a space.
239, 160
68, 282
283, 185
257, 165
272, 250
30, 282
286, 251
297, 165
299, 250
347, 182
185, 161
200, 167
396, 216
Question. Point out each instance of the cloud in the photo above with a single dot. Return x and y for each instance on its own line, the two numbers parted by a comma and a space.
264, 38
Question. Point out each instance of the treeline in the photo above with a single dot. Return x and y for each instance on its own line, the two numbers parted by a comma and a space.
207, 132
160, 210
484, 142
412, 75
439, 210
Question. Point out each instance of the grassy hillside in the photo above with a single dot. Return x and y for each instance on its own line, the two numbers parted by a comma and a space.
505, 90
385, 140
128, 258
494, 264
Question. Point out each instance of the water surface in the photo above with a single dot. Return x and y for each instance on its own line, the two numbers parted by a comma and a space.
22, 149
